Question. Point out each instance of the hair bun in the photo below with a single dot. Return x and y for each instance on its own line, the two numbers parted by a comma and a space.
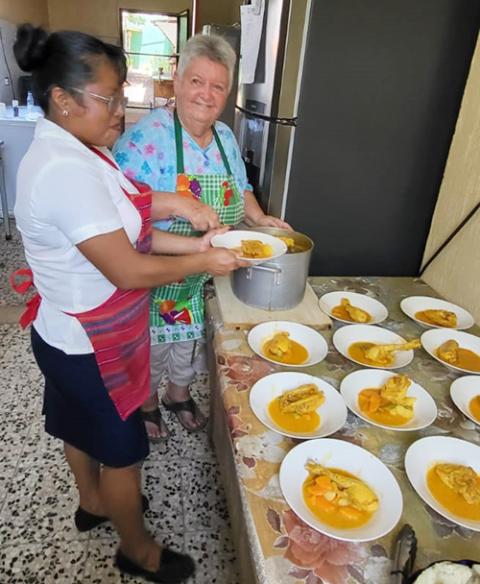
30, 46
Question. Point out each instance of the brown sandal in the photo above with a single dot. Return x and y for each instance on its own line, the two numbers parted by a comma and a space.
155, 417
188, 405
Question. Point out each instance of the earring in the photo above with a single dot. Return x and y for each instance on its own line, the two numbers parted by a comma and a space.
65, 113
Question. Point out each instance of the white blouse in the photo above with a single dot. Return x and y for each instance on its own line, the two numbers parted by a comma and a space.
67, 194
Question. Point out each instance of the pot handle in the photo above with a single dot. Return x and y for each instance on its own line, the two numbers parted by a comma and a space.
276, 271
266, 269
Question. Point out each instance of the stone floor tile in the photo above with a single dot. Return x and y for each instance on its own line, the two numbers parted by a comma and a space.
203, 496
214, 557
59, 562
100, 568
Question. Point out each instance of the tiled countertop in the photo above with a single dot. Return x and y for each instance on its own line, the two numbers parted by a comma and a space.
279, 546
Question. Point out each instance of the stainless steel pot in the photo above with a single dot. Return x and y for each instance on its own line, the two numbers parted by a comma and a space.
278, 284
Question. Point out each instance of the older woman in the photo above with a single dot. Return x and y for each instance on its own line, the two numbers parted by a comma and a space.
189, 153
87, 238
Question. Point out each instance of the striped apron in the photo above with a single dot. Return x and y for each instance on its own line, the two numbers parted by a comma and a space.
118, 328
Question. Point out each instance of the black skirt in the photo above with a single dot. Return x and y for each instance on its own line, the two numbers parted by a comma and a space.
79, 411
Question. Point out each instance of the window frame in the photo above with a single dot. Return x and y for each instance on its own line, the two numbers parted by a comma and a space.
177, 15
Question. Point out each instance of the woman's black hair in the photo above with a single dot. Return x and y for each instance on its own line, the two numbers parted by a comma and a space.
67, 59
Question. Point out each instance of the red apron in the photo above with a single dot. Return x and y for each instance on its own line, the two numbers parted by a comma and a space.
118, 328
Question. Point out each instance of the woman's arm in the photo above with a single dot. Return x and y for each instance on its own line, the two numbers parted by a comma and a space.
201, 216
255, 216
171, 243
113, 255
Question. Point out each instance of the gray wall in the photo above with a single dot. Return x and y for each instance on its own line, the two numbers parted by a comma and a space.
8, 31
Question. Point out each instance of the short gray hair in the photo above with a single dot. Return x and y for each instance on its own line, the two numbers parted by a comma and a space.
213, 47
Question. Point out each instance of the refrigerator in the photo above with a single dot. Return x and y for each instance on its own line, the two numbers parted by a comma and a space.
345, 130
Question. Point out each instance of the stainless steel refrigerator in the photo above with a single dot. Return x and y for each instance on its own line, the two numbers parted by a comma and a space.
346, 129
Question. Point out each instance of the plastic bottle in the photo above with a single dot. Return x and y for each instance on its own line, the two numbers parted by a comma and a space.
15, 108
30, 103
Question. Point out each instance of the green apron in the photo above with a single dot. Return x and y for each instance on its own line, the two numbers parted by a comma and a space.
177, 310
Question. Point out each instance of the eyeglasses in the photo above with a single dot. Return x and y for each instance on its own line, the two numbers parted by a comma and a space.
113, 102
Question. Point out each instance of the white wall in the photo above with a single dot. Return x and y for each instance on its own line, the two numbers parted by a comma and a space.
455, 274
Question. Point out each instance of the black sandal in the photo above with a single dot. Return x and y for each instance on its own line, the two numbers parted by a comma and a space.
174, 568
155, 417
188, 405
85, 521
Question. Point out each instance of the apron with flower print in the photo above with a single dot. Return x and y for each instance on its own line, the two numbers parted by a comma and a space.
177, 310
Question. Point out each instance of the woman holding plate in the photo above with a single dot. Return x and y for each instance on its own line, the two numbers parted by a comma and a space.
188, 155
87, 235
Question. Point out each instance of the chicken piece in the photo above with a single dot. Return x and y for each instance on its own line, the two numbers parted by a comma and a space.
301, 400
395, 389
444, 318
404, 410
288, 241
462, 479
255, 249
383, 354
448, 351
355, 313
279, 345
345, 490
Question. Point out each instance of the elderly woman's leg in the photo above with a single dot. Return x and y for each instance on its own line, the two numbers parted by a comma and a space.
154, 424
191, 419
181, 373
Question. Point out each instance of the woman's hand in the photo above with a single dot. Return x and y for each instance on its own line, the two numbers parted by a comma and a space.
254, 214
201, 216
220, 261
271, 221
204, 243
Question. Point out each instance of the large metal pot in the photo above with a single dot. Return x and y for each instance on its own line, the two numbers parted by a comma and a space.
278, 284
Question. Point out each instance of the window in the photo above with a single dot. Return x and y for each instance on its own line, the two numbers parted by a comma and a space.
151, 42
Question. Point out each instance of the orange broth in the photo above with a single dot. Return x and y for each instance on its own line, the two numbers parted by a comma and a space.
474, 406
451, 500
340, 312
297, 354
293, 422
381, 417
357, 352
466, 360
347, 517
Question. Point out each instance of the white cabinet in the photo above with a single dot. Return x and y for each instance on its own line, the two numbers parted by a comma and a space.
17, 134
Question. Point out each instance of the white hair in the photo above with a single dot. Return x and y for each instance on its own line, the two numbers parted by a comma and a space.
213, 47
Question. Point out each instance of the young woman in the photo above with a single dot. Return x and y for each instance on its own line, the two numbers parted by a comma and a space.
87, 238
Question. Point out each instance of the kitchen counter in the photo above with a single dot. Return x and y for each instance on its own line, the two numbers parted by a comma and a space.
273, 545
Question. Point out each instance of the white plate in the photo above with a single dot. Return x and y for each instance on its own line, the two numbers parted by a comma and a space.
313, 341
233, 239
332, 412
355, 460
425, 410
432, 339
356, 333
414, 304
462, 391
425, 453
376, 309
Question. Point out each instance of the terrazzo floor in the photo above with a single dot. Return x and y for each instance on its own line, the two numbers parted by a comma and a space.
38, 540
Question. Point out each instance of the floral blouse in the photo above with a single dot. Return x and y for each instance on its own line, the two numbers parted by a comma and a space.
146, 152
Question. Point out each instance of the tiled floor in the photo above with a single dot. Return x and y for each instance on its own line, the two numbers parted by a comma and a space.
38, 541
